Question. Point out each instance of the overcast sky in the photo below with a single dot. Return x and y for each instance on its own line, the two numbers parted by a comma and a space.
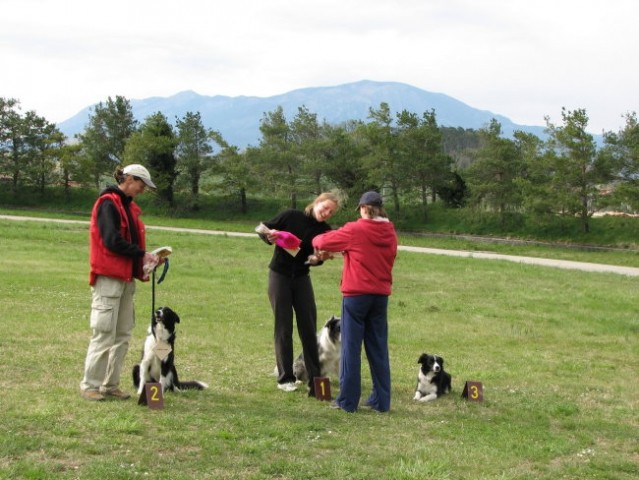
518, 58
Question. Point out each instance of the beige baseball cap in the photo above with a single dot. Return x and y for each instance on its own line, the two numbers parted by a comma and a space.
137, 170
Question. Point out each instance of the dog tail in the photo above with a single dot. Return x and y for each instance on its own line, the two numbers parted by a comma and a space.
192, 385
136, 376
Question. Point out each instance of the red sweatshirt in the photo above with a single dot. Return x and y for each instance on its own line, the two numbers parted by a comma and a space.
369, 248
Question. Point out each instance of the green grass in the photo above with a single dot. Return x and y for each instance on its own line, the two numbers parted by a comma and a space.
556, 351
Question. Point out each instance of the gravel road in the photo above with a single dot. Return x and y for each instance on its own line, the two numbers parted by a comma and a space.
547, 262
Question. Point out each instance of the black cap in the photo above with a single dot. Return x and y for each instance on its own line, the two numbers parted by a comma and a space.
370, 198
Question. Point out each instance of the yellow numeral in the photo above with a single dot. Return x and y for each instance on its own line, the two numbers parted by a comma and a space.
474, 392
154, 393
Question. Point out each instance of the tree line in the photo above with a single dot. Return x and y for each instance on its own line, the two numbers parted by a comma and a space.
408, 156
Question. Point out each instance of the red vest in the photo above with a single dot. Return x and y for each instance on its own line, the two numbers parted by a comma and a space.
103, 261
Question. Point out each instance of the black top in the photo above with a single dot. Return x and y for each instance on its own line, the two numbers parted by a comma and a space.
303, 226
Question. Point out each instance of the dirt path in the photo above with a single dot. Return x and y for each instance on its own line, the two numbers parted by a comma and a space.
547, 262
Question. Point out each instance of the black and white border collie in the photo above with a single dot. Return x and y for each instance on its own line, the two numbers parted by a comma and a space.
329, 345
158, 356
432, 380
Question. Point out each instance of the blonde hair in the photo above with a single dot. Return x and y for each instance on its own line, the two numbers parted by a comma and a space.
333, 197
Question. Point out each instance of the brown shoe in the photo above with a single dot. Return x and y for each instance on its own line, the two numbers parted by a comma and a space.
92, 395
116, 394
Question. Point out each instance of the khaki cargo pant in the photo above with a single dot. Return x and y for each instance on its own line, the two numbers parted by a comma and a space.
112, 322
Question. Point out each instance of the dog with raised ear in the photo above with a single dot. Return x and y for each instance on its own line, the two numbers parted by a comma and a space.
329, 346
432, 380
158, 355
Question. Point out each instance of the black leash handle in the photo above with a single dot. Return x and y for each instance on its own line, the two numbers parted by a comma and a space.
160, 280
153, 295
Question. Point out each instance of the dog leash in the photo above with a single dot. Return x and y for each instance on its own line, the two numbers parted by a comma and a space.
166, 269
160, 280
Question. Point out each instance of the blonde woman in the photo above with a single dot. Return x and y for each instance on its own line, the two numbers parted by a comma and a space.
290, 290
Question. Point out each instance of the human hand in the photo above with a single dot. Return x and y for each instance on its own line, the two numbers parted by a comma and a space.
149, 262
271, 236
323, 255
151, 258
318, 257
312, 260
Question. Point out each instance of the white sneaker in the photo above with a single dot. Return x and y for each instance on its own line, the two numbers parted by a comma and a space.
287, 387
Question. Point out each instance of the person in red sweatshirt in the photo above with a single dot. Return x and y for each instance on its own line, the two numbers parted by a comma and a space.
117, 253
369, 246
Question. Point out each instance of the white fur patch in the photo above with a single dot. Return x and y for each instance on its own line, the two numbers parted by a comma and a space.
426, 391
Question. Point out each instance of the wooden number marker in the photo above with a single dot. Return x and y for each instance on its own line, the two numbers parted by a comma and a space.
322, 388
473, 391
152, 396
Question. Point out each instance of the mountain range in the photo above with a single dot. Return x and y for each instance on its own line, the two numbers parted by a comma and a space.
238, 118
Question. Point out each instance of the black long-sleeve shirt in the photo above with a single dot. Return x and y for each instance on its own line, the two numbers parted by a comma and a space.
303, 226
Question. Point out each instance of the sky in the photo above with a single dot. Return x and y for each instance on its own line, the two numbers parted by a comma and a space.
525, 60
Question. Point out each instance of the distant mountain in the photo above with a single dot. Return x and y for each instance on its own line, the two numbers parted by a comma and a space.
238, 118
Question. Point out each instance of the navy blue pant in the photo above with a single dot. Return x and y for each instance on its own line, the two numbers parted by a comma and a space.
364, 320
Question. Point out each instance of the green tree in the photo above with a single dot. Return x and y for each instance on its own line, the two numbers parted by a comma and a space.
237, 170
491, 178
44, 143
343, 151
306, 136
11, 140
104, 139
622, 151
426, 165
460, 144
236, 178
536, 175
577, 171
383, 162
153, 146
29, 146
71, 162
453, 191
279, 166
193, 152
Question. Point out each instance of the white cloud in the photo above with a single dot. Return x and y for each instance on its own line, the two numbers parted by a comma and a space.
524, 60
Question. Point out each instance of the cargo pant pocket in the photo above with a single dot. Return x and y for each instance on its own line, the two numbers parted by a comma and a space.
102, 318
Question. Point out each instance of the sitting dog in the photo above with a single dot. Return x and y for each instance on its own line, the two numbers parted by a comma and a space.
432, 380
158, 356
329, 345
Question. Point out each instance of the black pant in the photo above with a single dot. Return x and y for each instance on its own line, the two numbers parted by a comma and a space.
288, 295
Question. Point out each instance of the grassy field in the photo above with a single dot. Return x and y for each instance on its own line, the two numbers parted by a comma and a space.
556, 352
